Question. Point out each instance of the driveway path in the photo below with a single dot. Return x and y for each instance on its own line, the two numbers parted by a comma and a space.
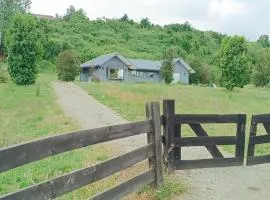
232, 183
89, 114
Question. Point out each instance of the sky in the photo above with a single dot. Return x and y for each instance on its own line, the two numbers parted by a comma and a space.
242, 17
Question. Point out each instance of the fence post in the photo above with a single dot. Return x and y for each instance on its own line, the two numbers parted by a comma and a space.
155, 114
240, 147
169, 131
150, 135
253, 132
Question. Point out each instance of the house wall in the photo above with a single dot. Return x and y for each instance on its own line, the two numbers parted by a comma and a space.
144, 78
102, 73
184, 73
85, 75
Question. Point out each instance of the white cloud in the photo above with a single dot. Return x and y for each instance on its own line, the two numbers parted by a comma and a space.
227, 8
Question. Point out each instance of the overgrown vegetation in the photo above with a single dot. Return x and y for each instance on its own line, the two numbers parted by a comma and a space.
67, 66
23, 49
261, 71
171, 188
91, 38
233, 64
8, 8
167, 68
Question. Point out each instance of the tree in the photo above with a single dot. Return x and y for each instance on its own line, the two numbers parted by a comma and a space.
167, 66
261, 71
23, 49
145, 23
232, 62
264, 41
126, 19
67, 66
202, 74
70, 11
8, 8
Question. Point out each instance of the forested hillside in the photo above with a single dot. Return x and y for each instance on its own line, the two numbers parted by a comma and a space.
91, 38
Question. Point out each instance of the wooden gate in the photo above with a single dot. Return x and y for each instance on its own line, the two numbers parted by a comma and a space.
256, 139
174, 141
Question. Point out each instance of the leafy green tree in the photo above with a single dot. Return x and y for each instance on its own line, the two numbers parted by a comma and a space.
126, 19
261, 71
202, 74
145, 23
264, 41
67, 66
23, 49
8, 8
167, 66
232, 62
70, 11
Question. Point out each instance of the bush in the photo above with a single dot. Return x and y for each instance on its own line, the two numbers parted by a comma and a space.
261, 70
23, 49
167, 67
67, 66
232, 62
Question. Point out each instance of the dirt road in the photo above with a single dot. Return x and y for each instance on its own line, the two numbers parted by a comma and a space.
232, 183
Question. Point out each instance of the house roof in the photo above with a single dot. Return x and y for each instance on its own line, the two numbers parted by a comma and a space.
150, 65
137, 64
105, 58
187, 66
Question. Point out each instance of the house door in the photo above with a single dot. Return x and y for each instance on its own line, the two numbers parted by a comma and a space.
176, 77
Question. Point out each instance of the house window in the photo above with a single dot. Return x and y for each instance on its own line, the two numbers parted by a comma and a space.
139, 74
133, 73
150, 75
115, 73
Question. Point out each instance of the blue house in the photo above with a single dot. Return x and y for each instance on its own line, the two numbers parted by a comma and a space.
115, 67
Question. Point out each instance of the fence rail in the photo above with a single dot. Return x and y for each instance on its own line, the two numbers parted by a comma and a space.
255, 139
18, 155
175, 141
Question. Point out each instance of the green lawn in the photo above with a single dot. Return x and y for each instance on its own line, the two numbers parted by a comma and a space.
129, 101
24, 117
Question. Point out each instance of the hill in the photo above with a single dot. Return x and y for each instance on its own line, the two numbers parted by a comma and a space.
91, 38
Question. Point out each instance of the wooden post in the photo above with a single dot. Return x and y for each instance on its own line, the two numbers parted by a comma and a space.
169, 133
240, 147
155, 113
253, 132
150, 135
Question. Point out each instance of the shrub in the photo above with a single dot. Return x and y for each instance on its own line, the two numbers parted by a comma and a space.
261, 70
167, 67
23, 49
232, 62
67, 66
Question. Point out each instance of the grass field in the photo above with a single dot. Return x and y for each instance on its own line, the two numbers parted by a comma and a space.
129, 100
25, 116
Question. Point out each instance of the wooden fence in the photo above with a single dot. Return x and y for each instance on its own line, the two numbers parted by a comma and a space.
19, 155
175, 141
255, 139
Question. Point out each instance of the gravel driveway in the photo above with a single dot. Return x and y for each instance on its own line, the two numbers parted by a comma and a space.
232, 183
